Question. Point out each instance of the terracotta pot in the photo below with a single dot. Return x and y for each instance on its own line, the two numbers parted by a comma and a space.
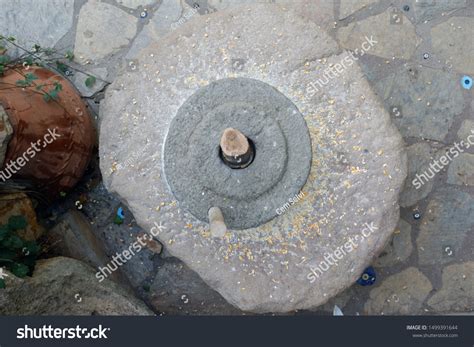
52, 167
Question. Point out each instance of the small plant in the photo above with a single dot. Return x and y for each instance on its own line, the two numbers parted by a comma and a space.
40, 56
16, 254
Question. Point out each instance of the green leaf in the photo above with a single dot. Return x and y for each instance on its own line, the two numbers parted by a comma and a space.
17, 222
29, 77
22, 83
4, 59
90, 81
4, 232
30, 261
32, 247
13, 242
61, 67
37, 47
58, 86
39, 86
11, 39
7, 255
2, 283
48, 51
69, 55
19, 270
29, 61
53, 94
118, 220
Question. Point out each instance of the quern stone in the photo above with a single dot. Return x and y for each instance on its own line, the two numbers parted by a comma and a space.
358, 163
197, 174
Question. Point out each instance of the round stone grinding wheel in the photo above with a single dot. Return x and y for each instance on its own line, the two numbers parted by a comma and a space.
200, 178
223, 71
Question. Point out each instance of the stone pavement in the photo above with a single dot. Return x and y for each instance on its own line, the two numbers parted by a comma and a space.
423, 50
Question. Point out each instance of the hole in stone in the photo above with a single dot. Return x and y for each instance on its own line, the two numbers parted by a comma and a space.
240, 162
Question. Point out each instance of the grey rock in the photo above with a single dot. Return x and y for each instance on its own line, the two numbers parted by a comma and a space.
79, 80
399, 247
348, 7
341, 300
168, 13
448, 219
319, 11
429, 100
452, 41
74, 237
393, 40
357, 170
142, 40
102, 30
427, 10
466, 129
420, 155
461, 170
35, 22
399, 294
165, 19
100, 210
64, 286
176, 289
137, 3
457, 292
187, 13
171, 15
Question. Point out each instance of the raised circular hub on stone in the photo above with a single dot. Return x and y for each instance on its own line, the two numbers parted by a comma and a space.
200, 178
